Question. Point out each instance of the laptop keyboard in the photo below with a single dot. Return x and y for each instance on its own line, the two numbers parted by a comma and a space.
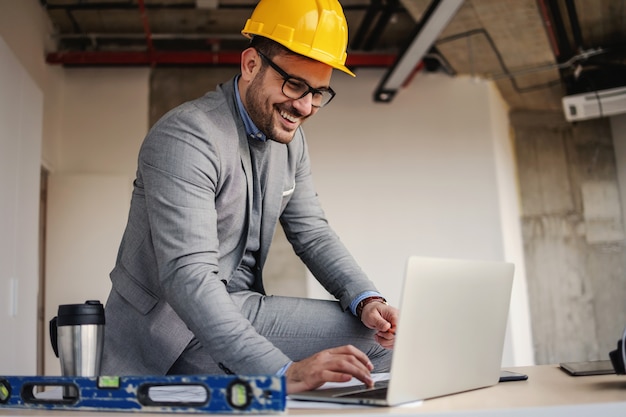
377, 392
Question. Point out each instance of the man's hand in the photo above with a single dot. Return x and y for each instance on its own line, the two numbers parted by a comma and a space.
384, 319
338, 364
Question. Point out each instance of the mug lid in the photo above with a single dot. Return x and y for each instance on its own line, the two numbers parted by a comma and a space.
91, 312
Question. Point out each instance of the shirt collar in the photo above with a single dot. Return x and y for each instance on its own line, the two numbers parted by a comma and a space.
251, 130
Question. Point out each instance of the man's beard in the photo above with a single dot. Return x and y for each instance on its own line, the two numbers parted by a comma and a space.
262, 113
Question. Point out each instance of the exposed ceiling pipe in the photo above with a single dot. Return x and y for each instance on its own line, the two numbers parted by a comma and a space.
153, 56
383, 20
575, 24
371, 9
130, 4
155, 37
506, 72
141, 58
146, 30
547, 22
374, 8
564, 47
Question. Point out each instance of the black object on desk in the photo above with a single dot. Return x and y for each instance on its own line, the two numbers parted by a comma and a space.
586, 368
506, 376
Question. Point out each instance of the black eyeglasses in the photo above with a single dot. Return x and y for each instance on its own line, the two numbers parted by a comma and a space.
295, 88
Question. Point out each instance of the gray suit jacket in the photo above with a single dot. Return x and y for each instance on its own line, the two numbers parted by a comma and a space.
186, 235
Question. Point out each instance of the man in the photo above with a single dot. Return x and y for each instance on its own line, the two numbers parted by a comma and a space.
214, 177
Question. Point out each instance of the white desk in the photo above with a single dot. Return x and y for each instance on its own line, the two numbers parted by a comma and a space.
548, 392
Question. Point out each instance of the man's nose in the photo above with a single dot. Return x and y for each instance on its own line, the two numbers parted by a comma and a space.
304, 104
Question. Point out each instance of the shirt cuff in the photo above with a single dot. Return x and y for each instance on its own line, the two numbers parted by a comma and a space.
361, 297
281, 371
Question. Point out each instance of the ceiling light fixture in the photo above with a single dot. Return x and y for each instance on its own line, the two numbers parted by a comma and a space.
435, 19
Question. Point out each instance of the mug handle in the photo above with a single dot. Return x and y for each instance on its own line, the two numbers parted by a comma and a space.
53, 336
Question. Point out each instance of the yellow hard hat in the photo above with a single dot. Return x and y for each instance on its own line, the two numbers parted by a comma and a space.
313, 28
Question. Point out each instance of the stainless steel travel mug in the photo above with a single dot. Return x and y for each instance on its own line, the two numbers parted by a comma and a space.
77, 337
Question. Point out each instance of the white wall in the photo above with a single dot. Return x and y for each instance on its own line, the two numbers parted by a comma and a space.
519, 333
25, 28
103, 119
21, 116
422, 175
412, 177
86, 217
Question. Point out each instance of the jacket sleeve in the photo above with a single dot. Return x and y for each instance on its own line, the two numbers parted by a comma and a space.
312, 238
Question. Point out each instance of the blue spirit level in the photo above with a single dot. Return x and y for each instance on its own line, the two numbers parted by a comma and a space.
228, 394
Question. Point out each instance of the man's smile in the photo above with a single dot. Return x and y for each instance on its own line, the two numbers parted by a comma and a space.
289, 117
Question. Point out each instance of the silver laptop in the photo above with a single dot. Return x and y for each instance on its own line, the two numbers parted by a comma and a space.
450, 336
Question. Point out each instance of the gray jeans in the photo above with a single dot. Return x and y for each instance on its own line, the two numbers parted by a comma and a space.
299, 327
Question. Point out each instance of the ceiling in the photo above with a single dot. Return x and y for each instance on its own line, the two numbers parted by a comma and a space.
535, 50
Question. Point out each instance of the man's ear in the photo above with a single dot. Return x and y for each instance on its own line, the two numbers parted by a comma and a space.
250, 63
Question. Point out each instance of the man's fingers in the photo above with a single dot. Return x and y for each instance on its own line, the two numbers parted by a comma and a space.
384, 319
348, 360
352, 352
386, 340
338, 364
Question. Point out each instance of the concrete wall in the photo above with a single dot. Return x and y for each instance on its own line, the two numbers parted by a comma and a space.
573, 235
618, 131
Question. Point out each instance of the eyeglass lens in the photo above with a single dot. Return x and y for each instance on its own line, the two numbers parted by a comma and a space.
296, 89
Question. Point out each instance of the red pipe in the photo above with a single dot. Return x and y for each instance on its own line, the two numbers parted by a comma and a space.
154, 57
371, 60
548, 23
146, 29
187, 58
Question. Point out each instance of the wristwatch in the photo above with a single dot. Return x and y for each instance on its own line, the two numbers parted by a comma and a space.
366, 301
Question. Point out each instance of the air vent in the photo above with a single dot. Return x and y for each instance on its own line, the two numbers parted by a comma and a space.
595, 104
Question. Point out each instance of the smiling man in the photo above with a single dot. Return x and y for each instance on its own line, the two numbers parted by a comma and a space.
214, 178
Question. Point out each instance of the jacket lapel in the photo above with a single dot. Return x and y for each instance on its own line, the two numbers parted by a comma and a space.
272, 198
